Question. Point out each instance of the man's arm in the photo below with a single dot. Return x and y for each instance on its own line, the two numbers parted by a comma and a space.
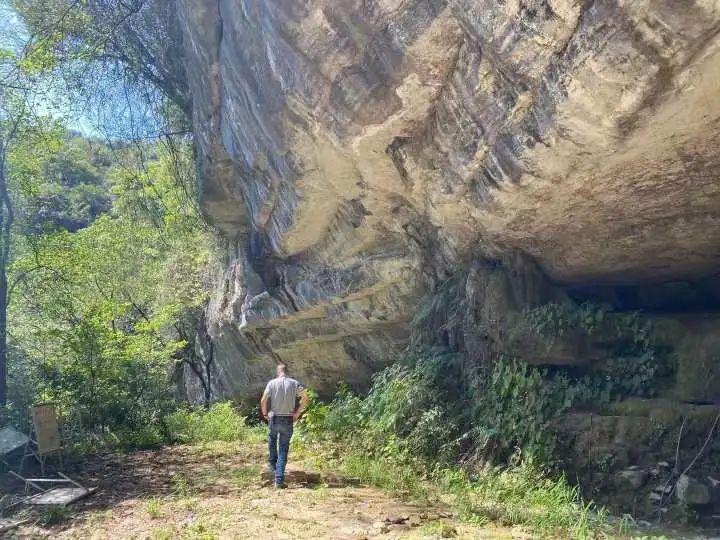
264, 405
304, 402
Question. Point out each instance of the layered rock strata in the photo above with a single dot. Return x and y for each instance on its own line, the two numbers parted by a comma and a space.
356, 153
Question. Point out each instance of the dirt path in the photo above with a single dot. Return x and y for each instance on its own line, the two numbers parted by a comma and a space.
193, 492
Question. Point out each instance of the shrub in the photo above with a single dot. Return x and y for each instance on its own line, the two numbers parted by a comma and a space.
218, 423
422, 409
135, 439
635, 362
408, 434
410, 411
513, 412
425, 408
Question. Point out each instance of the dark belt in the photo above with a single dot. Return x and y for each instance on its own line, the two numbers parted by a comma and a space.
282, 419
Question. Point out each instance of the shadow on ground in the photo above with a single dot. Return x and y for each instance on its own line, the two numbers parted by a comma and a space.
218, 491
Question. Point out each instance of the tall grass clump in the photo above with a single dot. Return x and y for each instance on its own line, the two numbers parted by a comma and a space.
413, 411
218, 423
522, 494
517, 495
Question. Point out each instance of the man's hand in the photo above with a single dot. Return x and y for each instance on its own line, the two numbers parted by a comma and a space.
297, 415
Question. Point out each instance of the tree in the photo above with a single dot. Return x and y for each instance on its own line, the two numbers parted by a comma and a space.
103, 313
198, 352
11, 118
117, 52
103, 318
6, 220
19, 87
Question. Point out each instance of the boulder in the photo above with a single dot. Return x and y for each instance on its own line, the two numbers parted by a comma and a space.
714, 485
634, 477
691, 491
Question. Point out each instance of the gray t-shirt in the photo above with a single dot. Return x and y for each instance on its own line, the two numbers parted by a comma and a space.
282, 393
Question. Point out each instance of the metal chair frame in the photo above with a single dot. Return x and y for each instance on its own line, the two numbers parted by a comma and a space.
27, 449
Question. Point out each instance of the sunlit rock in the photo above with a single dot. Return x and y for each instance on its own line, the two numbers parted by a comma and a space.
356, 154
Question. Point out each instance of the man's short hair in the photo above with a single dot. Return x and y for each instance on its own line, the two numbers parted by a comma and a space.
282, 367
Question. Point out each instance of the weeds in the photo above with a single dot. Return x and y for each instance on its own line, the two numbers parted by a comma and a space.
186, 426
244, 476
54, 515
198, 531
154, 508
97, 518
399, 479
219, 423
162, 533
438, 529
181, 486
521, 495
417, 423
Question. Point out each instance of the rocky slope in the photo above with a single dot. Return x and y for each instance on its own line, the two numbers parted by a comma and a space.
358, 152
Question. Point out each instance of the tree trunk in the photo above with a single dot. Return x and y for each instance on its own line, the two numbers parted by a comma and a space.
6, 219
191, 330
208, 390
208, 366
3, 338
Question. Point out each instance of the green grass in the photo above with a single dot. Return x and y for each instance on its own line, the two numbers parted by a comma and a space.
54, 515
199, 531
162, 533
96, 519
219, 423
438, 529
186, 503
154, 508
181, 485
522, 495
518, 496
398, 479
245, 476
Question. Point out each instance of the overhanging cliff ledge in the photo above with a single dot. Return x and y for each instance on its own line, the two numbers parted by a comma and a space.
356, 153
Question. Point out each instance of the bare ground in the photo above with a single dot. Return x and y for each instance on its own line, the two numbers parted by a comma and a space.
215, 491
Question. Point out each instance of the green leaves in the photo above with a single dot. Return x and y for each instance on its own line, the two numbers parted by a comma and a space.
96, 308
409, 412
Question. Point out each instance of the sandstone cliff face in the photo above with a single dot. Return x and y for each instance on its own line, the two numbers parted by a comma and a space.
357, 152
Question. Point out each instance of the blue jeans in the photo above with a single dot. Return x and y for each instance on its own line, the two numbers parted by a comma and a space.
281, 431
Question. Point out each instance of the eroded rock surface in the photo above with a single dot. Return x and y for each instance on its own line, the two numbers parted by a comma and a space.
356, 152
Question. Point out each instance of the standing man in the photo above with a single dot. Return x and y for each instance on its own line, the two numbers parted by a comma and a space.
280, 408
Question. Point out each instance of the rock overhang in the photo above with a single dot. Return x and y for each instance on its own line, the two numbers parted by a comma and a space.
419, 135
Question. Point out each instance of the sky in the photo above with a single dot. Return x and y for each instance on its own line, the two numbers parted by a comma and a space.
13, 36
12, 30
110, 111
